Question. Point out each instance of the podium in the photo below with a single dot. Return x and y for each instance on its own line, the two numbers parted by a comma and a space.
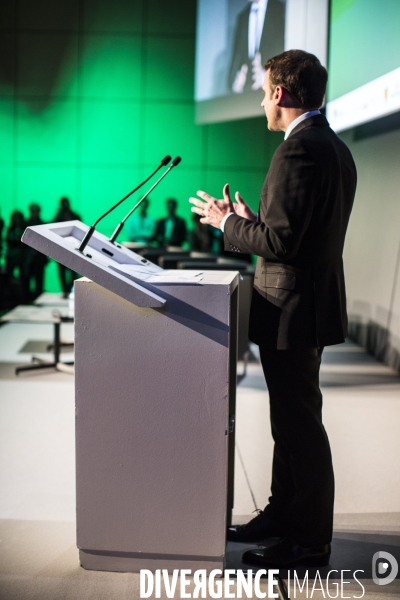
155, 377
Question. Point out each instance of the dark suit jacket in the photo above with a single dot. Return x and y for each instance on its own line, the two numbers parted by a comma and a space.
299, 298
178, 232
271, 43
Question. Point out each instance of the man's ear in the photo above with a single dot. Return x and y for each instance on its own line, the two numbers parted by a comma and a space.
285, 100
279, 95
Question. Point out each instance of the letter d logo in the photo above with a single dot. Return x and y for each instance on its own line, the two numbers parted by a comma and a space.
383, 568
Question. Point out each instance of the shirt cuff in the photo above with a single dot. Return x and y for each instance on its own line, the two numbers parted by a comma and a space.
224, 221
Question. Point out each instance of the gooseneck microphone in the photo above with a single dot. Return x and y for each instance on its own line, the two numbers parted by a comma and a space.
119, 227
91, 229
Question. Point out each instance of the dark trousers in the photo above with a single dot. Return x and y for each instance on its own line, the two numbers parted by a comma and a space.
302, 490
33, 267
67, 278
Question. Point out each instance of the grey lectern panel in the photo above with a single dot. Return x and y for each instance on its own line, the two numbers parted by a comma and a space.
154, 389
60, 241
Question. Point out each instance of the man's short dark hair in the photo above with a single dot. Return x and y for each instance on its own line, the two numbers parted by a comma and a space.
173, 201
301, 74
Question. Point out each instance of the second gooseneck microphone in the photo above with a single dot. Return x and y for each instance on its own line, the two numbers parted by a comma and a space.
91, 229
119, 227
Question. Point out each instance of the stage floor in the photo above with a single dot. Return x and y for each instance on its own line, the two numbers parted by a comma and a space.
38, 556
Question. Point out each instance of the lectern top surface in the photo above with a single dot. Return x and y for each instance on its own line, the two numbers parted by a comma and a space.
117, 268
60, 241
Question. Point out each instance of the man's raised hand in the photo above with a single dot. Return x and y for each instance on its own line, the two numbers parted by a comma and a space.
210, 209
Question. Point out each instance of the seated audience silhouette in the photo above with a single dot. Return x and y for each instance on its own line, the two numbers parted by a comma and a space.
65, 213
141, 227
34, 261
171, 231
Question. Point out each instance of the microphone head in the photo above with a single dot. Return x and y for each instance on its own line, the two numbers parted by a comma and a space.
176, 161
165, 160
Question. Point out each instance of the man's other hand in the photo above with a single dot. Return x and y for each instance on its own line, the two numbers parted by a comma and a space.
243, 210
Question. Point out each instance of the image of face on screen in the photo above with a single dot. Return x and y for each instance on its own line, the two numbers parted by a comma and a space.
258, 35
235, 38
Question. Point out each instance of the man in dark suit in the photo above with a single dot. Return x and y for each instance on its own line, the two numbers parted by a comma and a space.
170, 231
298, 305
259, 33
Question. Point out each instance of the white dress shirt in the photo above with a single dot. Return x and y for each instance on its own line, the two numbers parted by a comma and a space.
256, 24
303, 117
293, 124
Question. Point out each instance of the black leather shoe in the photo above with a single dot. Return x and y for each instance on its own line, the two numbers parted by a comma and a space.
258, 529
287, 554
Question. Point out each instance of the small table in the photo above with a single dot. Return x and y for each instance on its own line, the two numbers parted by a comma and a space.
55, 301
50, 299
43, 314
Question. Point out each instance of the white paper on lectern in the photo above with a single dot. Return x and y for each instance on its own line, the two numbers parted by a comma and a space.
165, 276
172, 276
172, 279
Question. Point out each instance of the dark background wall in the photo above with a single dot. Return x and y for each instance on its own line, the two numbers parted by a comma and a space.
93, 93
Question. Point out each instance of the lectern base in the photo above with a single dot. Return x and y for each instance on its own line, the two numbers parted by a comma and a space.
133, 562
154, 410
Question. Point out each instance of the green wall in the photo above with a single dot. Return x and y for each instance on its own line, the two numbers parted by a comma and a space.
93, 93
